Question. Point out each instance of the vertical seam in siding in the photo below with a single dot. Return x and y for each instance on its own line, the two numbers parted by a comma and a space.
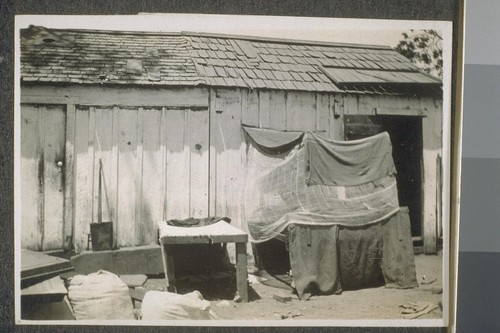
187, 139
163, 145
69, 188
115, 143
91, 139
139, 221
41, 177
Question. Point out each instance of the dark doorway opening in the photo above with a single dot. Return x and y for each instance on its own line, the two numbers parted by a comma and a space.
406, 137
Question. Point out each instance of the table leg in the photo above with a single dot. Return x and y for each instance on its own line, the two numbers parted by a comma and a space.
241, 271
167, 254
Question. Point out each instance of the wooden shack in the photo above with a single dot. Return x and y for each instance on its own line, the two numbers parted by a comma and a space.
163, 114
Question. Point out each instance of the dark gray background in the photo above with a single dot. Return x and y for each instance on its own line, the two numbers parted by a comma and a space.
479, 265
479, 256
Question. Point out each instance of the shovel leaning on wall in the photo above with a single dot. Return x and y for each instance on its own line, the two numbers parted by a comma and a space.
101, 233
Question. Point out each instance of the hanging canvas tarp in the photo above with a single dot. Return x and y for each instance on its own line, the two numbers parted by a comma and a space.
330, 259
318, 182
348, 163
339, 201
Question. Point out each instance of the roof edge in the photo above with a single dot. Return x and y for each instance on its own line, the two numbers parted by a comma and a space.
106, 32
285, 40
225, 36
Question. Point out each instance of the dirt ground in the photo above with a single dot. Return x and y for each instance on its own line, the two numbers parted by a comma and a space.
372, 303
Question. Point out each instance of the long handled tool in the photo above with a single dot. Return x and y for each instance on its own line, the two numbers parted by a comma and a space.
102, 232
99, 195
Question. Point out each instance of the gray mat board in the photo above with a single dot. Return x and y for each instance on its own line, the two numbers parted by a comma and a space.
478, 292
481, 118
480, 205
481, 29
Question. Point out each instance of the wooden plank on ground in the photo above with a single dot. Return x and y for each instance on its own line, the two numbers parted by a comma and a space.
37, 264
54, 285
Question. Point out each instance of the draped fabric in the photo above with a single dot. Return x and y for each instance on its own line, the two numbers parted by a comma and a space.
273, 141
348, 162
316, 182
331, 259
340, 203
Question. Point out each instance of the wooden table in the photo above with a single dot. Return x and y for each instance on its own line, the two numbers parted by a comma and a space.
38, 266
220, 232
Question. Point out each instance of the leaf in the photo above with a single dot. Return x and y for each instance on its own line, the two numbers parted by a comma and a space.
424, 48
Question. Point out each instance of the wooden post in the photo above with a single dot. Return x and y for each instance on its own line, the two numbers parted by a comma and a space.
167, 255
241, 271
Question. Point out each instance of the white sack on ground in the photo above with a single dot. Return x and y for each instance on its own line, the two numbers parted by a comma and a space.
160, 305
100, 295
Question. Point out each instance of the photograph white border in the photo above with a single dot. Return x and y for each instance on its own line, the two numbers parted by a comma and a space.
323, 29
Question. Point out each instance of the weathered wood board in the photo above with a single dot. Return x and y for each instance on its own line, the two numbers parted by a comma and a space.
226, 137
178, 165
30, 161
177, 155
42, 176
151, 206
35, 265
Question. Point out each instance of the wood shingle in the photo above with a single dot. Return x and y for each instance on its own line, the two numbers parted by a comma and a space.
191, 59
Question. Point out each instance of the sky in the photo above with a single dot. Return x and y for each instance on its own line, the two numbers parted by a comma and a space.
375, 32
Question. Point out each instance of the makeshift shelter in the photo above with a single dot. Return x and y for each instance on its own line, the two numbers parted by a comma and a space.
163, 112
336, 200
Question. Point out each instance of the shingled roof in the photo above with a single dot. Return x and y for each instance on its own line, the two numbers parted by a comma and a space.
196, 59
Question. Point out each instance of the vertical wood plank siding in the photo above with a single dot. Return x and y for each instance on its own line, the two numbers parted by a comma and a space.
171, 161
127, 170
53, 154
69, 178
30, 160
43, 177
83, 189
153, 172
178, 166
432, 149
301, 111
155, 167
226, 137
